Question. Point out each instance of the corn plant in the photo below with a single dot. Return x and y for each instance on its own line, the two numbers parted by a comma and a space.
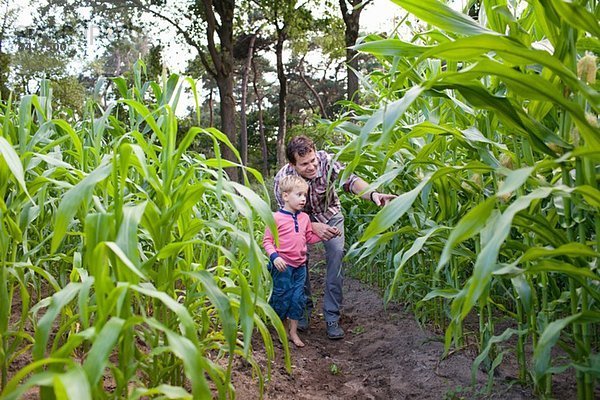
135, 260
487, 127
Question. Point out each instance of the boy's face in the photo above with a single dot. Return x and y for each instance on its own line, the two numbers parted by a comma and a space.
296, 199
307, 165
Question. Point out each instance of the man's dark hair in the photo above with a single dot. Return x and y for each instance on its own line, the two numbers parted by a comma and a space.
300, 145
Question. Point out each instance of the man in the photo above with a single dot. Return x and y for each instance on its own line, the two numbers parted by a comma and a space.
323, 205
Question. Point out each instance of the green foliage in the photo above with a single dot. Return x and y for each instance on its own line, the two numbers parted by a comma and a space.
492, 143
134, 258
69, 94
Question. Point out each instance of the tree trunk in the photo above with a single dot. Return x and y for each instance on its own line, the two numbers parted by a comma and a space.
222, 58
312, 89
351, 16
351, 60
243, 119
210, 108
261, 125
281, 133
227, 113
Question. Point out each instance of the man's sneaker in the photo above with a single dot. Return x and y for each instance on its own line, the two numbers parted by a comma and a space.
303, 324
334, 331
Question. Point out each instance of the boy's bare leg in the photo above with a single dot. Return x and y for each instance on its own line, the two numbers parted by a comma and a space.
294, 333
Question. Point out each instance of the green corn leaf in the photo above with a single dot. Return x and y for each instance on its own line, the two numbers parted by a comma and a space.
221, 303
541, 353
75, 139
473, 134
440, 15
146, 115
247, 311
73, 199
486, 261
576, 15
179, 309
44, 327
193, 361
467, 227
262, 208
279, 328
121, 85
416, 247
102, 348
14, 163
449, 293
220, 136
72, 385
503, 337
535, 87
524, 291
564, 268
391, 113
514, 180
542, 228
391, 47
127, 237
168, 391
20, 384
470, 47
392, 212
117, 251
590, 194
570, 249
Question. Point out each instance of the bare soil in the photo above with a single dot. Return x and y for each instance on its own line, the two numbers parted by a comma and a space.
384, 355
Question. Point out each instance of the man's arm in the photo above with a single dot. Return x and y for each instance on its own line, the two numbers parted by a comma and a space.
381, 199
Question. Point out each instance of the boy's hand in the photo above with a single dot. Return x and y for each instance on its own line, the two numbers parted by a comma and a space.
280, 264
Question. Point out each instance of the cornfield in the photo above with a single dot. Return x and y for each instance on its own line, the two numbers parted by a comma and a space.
488, 129
130, 260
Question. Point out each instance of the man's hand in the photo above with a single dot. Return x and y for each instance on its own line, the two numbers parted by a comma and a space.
325, 231
382, 199
280, 264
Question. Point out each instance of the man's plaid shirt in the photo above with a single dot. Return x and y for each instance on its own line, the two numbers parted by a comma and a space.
322, 201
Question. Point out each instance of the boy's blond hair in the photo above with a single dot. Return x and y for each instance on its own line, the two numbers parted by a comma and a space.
290, 182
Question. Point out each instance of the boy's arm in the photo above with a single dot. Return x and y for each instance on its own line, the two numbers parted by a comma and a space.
311, 236
269, 244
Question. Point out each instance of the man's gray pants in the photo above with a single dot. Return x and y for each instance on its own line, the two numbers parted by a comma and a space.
334, 278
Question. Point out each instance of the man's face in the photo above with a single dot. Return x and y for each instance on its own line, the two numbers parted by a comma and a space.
306, 166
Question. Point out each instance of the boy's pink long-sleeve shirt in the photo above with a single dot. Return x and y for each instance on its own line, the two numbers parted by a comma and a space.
295, 231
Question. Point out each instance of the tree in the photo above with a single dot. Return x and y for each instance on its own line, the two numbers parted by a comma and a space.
351, 10
257, 70
246, 43
207, 27
69, 94
288, 18
8, 18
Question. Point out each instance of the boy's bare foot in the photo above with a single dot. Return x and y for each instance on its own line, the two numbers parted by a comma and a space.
293, 324
296, 340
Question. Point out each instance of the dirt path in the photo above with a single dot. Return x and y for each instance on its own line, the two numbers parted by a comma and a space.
385, 355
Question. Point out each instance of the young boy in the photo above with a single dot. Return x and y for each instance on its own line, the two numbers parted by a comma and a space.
288, 261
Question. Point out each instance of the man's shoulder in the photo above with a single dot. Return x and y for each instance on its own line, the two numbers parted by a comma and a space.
323, 155
283, 171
